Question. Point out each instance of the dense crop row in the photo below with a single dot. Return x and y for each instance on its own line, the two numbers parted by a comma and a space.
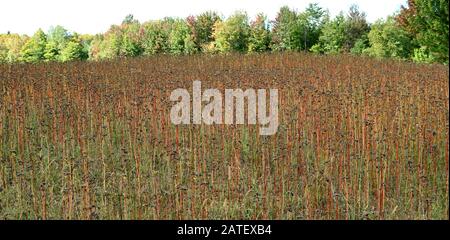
358, 139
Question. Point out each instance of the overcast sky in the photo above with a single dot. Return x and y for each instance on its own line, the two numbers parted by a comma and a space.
95, 16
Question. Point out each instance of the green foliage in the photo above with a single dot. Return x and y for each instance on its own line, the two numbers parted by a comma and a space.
311, 23
155, 38
419, 32
388, 39
344, 34
119, 41
131, 43
428, 21
232, 34
73, 50
259, 38
58, 35
284, 30
333, 36
34, 49
52, 51
298, 31
57, 39
422, 55
59, 45
86, 41
316, 48
356, 30
181, 39
109, 47
360, 45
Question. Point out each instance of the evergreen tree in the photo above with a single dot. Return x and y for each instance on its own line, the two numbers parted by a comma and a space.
34, 49
284, 30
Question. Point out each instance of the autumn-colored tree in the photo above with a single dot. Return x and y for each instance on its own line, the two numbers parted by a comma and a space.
202, 27
10, 47
131, 38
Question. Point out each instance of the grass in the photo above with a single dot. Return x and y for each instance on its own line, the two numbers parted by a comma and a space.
358, 139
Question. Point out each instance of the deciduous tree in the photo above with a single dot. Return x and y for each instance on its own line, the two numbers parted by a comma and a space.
259, 38
232, 34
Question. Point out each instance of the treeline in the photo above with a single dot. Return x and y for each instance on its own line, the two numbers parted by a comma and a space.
418, 32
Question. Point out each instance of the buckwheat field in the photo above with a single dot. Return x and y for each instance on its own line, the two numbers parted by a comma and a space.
358, 138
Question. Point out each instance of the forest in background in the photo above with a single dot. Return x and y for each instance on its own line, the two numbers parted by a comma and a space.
417, 32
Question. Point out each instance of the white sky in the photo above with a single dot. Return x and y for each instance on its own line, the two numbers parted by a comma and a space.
95, 16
